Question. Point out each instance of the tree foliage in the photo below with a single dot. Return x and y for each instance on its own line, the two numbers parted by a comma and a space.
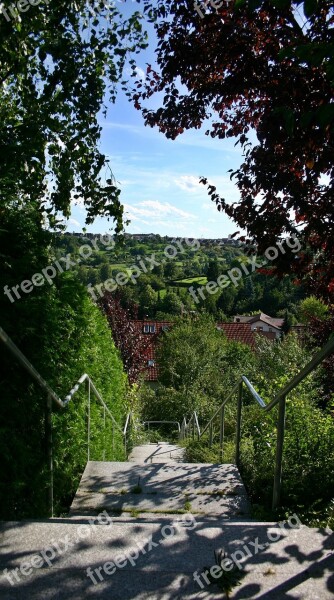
254, 67
132, 345
63, 335
58, 64
197, 366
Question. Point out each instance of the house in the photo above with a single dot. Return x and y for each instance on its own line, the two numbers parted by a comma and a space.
261, 323
238, 332
152, 330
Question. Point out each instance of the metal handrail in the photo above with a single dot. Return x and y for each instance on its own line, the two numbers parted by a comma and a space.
53, 397
192, 426
279, 399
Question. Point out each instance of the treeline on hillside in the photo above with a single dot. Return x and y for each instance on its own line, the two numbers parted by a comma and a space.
160, 273
63, 334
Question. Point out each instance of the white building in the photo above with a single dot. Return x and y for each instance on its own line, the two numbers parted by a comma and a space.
262, 323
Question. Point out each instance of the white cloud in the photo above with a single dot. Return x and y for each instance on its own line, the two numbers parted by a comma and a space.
189, 183
140, 73
75, 222
157, 212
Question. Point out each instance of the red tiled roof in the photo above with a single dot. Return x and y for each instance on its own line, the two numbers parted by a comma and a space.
238, 332
270, 335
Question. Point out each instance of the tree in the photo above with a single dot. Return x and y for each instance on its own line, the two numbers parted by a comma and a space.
197, 365
158, 270
148, 299
131, 345
253, 66
312, 308
213, 271
105, 271
64, 335
226, 300
171, 303
57, 63
172, 270
322, 326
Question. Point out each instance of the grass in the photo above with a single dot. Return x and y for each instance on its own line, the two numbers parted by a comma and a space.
153, 511
200, 280
223, 492
119, 266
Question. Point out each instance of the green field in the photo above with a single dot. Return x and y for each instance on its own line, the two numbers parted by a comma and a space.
189, 280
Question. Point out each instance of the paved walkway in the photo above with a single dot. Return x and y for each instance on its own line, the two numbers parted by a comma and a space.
147, 529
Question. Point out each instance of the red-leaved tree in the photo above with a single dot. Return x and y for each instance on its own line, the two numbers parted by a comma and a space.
132, 344
264, 67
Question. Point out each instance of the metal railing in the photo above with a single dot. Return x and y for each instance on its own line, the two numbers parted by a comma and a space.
191, 428
52, 397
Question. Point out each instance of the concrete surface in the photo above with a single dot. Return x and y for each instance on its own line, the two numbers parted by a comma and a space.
298, 565
210, 489
147, 546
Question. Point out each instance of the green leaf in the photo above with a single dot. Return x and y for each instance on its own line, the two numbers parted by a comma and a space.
310, 6
281, 3
289, 120
254, 4
325, 115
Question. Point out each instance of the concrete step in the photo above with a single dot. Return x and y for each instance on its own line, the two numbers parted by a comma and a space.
164, 488
64, 559
159, 452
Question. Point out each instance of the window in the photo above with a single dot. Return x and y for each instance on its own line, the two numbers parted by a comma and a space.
164, 328
151, 363
149, 329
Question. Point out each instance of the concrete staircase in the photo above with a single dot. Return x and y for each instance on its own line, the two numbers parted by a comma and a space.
154, 481
147, 529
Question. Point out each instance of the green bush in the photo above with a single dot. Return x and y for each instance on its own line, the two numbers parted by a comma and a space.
308, 458
63, 335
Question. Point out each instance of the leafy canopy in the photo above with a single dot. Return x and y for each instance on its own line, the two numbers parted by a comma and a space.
58, 65
264, 68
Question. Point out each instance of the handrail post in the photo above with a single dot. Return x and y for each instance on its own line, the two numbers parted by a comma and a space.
125, 440
49, 443
113, 441
221, 440
211, 435
279, 453
104, 433
88, 421
238, 433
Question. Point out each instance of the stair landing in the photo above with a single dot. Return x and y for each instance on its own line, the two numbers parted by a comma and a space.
299, 566
161, 488
148, 529
155, 453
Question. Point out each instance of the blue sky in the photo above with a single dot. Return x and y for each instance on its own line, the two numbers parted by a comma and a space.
159, 178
